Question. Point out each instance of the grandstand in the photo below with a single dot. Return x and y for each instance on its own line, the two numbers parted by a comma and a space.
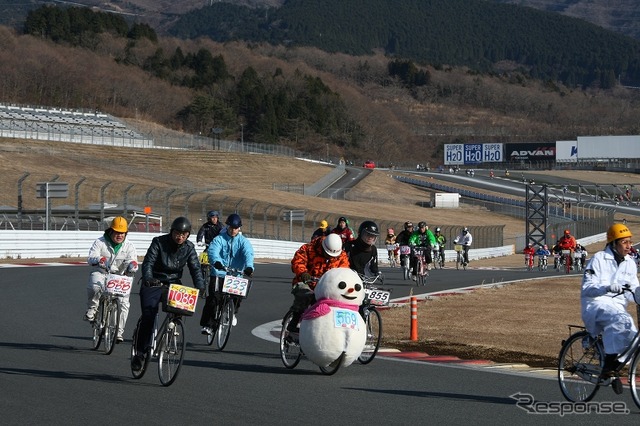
23, 122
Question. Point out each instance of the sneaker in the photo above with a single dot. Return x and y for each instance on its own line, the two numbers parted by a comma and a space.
413, 277
119, 340
89, 316
136, 363
234, 321
207, 331
616, 385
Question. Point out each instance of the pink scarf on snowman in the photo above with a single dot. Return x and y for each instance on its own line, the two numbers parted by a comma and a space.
323, 307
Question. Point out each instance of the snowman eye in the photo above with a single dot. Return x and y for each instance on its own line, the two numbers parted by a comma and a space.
342, 285
358, 287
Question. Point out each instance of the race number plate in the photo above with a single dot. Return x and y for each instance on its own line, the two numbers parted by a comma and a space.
457, 247
235, 285
182, 297
405, 250
346, 318
378, 297
566, 252
119, 285
391, 247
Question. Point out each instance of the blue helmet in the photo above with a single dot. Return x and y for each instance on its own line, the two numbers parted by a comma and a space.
234, 221
213, 213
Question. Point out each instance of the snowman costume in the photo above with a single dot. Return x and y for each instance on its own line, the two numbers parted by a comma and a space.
333, 324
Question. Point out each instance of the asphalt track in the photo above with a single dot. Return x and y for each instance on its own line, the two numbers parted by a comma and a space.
49, 374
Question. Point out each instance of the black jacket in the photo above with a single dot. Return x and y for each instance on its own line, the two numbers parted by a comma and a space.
362, 254
209, 231
165, 261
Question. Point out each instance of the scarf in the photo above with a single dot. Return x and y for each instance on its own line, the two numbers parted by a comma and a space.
323, 307
116, 246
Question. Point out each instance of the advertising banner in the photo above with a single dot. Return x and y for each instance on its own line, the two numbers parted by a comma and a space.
531, 152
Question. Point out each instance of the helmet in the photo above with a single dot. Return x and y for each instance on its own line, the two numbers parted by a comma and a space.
324, 224
390, 231
407, 225
213, 213
181, 224
530, 244
369, 227
616, 231
119, 224
546, 247
234, 221
343, 219
567, 232
437, 229
421, 224
332, 245
465, 229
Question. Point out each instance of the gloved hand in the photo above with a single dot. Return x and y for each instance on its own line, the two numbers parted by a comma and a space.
132, 267
103, 262
305, 277
154, 282
615, 288
218, 265
248, 271
93, 261
200, 243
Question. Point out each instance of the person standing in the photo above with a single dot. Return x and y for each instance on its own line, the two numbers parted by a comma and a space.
210, 229
112, 253
230, 249
322, 231
603, 307
465, 239
163, 264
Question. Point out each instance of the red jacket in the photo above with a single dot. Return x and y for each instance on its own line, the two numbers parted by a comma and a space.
567, 242
346, 234
529, 250
311, 258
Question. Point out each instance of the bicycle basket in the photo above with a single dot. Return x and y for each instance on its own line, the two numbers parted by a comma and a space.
457, 247
180, 300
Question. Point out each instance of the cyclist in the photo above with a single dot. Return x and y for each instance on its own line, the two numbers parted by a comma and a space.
391, 241
465, 239
543, 251
343, 230
603, 308
583, 254
111, 253
230, 249
403, 238
442, 241
210, 229
311, 261
322, 231
163, 264
530, 251
423, 237
362, 252
568, 242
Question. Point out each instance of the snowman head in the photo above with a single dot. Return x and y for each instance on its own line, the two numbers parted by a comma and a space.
341, 284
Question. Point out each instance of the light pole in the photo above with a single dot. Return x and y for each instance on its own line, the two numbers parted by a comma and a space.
242, 133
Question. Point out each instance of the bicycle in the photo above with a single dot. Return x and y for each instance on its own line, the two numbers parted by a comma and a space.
168, 340
566, 260
542, 262
234, 287
374, 297
437, 260
421, 265
405, 252
577, 260
581, 361
528, 261
459, 257
107, 318
391, 251
205, 267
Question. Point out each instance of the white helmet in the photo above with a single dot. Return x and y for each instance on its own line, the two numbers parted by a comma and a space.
332, 245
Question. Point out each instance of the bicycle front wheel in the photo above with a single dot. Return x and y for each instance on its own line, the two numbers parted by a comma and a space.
373, 325
579, 367
290, 351
111, 321
634, 378
224, 328
171, 351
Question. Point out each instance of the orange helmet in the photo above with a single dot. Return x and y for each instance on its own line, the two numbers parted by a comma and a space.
567, 232
617, 231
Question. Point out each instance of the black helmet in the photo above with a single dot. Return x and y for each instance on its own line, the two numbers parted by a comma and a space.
213, 213
422, 223
181, 224
369, 227
407, 225
437, 229
234, 221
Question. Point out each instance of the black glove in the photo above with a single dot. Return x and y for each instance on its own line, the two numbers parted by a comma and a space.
248, 271
218, 265
305, 277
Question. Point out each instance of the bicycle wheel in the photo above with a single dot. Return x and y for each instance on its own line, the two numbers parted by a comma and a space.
458, 262
290, 351
634, 378
334, 366
171, 351
97, 325
206, 271
139, 373
111, 321
224, 328
567, 263
373, 323
579, 367
216, 320
422, 278
405, 268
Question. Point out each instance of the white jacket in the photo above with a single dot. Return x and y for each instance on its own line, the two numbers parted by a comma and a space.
117, 263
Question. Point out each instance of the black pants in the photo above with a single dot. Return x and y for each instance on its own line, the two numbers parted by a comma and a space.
150, 297
213, 302
427, 257
303, 297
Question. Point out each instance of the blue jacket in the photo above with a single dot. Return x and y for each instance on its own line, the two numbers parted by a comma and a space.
233, 252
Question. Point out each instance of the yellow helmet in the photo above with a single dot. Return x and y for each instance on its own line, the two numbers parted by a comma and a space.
119, 224
616, 231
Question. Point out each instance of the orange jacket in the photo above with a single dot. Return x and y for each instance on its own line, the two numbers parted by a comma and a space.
311, 258
567, 242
